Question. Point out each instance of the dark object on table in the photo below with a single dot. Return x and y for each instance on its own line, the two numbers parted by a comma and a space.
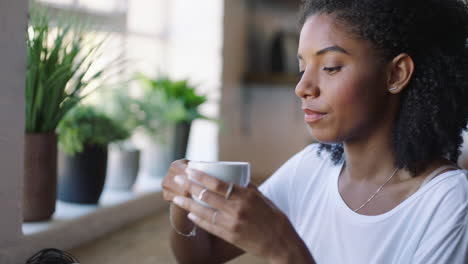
52, 256
82, 175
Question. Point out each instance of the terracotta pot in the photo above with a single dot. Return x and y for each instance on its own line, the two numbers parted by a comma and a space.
40, 176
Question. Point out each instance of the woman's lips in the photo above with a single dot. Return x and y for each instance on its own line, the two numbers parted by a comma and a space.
313, 116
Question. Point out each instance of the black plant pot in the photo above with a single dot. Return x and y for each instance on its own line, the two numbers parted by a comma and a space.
182, 132
82, 176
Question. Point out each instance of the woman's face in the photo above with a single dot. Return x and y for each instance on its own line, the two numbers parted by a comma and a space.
343, 86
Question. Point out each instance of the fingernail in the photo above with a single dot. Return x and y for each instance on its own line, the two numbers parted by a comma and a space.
192, 216
179, 179
178, 200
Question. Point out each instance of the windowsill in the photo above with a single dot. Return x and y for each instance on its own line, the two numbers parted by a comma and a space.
74, 224
65, 211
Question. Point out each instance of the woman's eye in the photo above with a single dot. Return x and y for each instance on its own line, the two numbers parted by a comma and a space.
331, 70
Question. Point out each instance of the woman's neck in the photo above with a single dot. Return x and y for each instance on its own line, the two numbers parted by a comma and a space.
369, 162
371, 158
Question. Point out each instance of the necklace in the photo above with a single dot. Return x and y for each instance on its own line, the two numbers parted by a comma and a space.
376, 192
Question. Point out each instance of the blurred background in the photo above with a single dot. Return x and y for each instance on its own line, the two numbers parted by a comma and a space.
115, 90
99, 97
240, 55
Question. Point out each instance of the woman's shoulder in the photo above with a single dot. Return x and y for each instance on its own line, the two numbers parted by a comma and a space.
448, 192
312, 162
314, 155
304, 163
454, 183
457, 184
310, 153
314, 152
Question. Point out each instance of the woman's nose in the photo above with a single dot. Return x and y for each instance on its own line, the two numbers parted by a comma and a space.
306, 87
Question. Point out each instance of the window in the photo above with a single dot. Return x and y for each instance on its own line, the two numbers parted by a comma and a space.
169, 36
166, 45
154, 36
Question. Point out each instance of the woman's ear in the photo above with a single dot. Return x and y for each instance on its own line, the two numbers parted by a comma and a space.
400, 73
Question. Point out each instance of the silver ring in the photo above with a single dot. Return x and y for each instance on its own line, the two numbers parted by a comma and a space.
213, 217
229, 191
200, 195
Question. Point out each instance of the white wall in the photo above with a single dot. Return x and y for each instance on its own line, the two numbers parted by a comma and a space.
195, 51
15, 248
234, 57
184, 40
13, 20
272, 127
262, 123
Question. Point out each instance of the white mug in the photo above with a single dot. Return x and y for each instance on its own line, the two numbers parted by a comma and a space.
227, 171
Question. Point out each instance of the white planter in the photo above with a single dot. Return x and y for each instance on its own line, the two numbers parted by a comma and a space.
122, 167
156, 157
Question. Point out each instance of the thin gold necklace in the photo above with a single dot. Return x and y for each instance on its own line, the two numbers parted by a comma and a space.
376, 192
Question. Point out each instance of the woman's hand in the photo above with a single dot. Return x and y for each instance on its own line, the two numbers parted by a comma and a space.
247, 219
169, 186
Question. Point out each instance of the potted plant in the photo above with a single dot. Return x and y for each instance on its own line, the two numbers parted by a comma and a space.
122, 166
169, 107
123, 158
57, 74
84, 135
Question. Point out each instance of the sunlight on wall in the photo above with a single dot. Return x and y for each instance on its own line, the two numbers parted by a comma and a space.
195, 49
176, 37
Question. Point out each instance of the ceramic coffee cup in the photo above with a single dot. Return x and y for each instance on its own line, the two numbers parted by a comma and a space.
227, 171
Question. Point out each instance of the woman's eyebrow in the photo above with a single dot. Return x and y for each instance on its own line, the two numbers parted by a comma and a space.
331, 49
327, 49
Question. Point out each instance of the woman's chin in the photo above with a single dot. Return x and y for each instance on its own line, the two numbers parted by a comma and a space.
322, 135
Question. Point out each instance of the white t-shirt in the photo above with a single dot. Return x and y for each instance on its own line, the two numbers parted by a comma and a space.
429, 227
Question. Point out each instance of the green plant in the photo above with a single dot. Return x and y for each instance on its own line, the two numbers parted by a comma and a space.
179, 99
58, 70
121, 108
164, 103
85, 126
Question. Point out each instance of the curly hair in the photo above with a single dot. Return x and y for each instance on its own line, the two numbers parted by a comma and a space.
434, 106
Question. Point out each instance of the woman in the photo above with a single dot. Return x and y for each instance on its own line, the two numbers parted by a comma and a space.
384, 90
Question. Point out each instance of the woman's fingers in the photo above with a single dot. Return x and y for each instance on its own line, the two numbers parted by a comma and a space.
221, 220
169, 185
180, 164
170, 188
211, 228
169, 195
177, 167
213, 184
213, 199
